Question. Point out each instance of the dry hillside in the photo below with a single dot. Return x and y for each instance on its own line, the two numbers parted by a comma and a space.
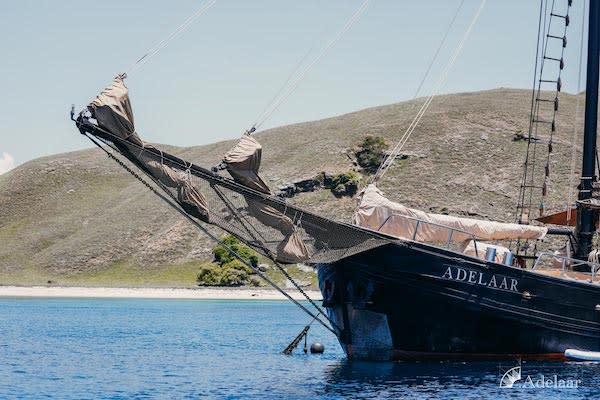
77, 216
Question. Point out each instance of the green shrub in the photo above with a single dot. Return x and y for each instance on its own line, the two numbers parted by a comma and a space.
319, 179
237, 264
232, 274
339, 190
228, 270
223, 256
209, 275
370, 153
345, 184
248, 255
233, 277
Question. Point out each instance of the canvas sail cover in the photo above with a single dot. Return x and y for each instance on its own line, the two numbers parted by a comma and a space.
112, 111
243, 162
378, 213
242, 206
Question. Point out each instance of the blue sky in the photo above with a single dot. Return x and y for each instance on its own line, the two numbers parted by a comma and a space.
213, 81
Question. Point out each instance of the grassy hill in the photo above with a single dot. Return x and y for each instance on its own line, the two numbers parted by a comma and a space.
77, 218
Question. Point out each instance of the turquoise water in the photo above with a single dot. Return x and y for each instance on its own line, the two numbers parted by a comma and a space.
171, 349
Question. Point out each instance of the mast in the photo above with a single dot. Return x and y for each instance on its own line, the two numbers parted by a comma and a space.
585, 218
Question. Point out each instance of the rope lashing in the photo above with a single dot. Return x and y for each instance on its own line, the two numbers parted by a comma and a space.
389, 160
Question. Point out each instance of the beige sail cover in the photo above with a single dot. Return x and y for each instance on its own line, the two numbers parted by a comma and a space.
243, 163
378, 213
112, 111
245, 209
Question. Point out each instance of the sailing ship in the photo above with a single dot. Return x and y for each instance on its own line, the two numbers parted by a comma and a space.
397, 283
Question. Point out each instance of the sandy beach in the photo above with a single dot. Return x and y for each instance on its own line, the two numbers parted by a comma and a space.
152, 293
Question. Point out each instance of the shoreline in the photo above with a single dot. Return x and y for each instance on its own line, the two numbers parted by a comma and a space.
200, 293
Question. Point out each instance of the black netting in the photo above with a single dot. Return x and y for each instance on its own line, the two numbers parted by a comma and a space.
260, 220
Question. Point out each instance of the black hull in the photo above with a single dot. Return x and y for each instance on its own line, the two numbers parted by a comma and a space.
413, 301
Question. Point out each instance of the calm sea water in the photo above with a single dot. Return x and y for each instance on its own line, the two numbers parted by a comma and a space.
171, 349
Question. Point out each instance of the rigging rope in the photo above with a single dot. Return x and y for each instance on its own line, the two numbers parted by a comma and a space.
521, 199
533, 133
555, 108
260, 242
172, 202
142, 149
577, 116
300, 73
284, 86
163, 43
389, 160
438, 49
530, 166
239, 219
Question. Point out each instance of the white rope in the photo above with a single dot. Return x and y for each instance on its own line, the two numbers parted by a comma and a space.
285, 84
437, 51
292, 84
389, 160
163, 43
577, 117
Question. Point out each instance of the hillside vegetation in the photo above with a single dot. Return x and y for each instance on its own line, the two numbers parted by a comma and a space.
77, 218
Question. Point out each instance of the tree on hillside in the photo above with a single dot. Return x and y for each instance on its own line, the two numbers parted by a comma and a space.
227, 270
370, 153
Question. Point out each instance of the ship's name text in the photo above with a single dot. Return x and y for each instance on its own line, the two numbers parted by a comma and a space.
494, 281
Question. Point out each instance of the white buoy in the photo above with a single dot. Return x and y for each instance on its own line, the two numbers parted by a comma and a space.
580, 355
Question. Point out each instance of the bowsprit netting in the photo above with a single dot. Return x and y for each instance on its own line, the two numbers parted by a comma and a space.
242, 206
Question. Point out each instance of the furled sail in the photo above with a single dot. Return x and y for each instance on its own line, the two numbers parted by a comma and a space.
242, 206
380, 214
243, 163
112, 111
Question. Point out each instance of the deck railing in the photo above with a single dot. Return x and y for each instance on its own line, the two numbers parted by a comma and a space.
545, 259
419, 222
